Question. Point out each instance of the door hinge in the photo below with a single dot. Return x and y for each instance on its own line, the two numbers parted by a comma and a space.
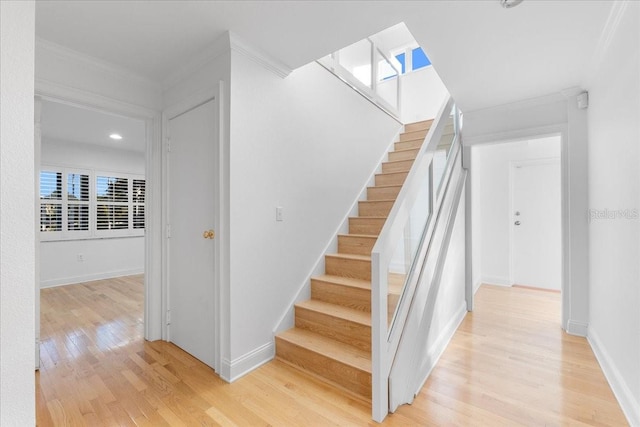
168, 145
168, 317
168, 231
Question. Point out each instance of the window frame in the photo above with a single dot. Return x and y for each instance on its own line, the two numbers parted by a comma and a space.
92, 233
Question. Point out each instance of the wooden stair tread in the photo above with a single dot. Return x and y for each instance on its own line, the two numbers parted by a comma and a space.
344, 281
390, 185
376, 201
354, 257
398, 161
361, 236
413, 139
420, 125
339, 311
404, 149
392, 173
330, 348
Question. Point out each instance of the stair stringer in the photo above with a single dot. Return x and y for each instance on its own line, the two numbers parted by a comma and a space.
287, 320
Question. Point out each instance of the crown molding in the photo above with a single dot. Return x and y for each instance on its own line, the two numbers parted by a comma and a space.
265, 60
525, 103
67, 54
220, 46
618, 8
58, 92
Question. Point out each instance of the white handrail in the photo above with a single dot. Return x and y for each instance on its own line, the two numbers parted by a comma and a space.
383, 345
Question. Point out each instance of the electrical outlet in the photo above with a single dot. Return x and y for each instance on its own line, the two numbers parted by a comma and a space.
80, 258
279, 213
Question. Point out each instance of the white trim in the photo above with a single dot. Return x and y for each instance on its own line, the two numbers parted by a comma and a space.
219, 47
37, 139
495, 281
68, 95
153, 313
237, 368
268, 62
188, 104
440, 345
476, 286
576, 328
89, 278
630, 405
221, 222
539, 132
516, 135
524, 104
114, 70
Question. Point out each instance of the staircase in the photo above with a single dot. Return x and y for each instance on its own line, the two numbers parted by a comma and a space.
332, 334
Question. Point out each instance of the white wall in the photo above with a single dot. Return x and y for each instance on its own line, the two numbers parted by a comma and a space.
490, 169
86, 156
102, 258
614, 183
421, 95
307, 143
17, 228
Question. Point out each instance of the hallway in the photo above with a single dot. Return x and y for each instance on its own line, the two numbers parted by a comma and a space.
509, 363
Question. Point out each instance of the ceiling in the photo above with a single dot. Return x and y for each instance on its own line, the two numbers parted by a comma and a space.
485, 54
80, 125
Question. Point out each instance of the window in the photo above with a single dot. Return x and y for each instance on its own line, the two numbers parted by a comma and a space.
138, 203
50, 201
112, 211
78, 202
94, 204
419, 60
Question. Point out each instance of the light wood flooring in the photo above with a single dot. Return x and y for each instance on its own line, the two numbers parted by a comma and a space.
509, 364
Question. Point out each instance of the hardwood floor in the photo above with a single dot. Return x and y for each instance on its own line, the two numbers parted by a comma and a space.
509, 364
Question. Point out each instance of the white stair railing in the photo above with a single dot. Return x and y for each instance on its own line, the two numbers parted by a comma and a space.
401, 248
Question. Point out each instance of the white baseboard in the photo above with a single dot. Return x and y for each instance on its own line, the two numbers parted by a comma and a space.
577, 328
496, 280
476, 286
435, 352
630, 405
89, 278
239, 367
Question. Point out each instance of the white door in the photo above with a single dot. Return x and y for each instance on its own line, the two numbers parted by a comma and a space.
191, 182
535, 224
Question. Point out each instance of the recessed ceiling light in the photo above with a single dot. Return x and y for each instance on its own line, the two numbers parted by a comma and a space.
115, 136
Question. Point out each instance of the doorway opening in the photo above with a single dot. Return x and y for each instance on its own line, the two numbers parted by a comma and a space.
91, 207
517, 213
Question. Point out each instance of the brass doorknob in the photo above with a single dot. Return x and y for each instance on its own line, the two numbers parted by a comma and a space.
209, 234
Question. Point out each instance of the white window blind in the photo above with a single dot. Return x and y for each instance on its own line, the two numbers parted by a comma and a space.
112, 211
77, 202
50, 201
138, 196
94, 205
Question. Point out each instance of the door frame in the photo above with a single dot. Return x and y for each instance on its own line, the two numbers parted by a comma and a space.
153, 315
189, 103
513, 164
568, 287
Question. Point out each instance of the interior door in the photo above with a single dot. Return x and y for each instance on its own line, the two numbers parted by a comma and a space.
192, 176
535, 224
